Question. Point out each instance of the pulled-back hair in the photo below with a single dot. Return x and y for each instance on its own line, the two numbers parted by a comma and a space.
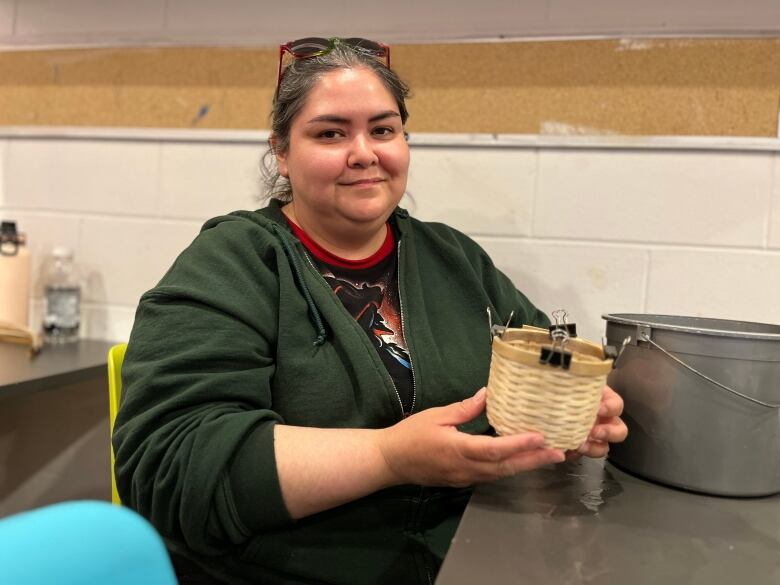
297, 82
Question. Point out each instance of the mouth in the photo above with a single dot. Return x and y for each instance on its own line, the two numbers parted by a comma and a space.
363, 182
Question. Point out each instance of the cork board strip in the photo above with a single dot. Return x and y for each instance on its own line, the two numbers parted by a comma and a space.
704, 87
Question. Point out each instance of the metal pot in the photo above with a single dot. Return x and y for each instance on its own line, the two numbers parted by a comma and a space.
702, 402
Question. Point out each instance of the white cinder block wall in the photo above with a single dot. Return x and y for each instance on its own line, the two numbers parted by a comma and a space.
589, 229
592, 230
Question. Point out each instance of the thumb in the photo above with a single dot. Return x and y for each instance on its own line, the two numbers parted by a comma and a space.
465, 410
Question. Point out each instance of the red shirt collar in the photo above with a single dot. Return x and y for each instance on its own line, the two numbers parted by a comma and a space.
322, 254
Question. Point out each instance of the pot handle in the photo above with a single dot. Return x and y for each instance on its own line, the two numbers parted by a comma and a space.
644, 335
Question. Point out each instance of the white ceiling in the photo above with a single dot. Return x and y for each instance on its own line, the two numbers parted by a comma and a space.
39, 23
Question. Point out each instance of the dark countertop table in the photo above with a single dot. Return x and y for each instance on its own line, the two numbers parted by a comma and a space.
54, 432
589, 522
56, 365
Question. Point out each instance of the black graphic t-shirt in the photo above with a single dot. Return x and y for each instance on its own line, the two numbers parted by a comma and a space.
368, 289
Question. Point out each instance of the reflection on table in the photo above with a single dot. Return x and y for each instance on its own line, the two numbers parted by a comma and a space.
589, 522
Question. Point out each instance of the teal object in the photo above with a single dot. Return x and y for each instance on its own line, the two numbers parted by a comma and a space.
82, 543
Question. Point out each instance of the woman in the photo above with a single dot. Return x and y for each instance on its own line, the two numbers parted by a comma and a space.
298, 384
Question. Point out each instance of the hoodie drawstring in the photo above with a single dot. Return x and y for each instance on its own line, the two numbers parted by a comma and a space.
295, 261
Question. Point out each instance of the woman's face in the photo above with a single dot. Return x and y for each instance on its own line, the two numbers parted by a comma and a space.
347, 159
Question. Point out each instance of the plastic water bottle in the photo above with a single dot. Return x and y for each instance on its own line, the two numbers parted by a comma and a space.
62, 292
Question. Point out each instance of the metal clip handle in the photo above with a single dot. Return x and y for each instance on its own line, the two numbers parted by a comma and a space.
561, 323
613, 352
644, 333
497, 329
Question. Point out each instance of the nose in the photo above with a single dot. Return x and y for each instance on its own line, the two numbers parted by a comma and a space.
361, 153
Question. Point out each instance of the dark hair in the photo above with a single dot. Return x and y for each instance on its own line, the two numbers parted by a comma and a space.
297, 81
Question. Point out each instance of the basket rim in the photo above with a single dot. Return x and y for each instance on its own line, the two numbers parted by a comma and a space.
579, 367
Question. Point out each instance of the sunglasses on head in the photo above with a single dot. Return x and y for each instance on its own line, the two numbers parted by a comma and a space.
311, 47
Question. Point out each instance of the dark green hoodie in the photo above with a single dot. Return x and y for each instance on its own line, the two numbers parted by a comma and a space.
242, 333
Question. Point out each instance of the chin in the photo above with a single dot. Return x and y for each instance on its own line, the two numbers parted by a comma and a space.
371, 209
368, 216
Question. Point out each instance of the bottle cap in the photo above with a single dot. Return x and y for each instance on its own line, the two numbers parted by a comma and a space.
62, 252
10, 239
8, 231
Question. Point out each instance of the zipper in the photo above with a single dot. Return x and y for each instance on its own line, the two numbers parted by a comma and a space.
405, 332
386, 373
419, 501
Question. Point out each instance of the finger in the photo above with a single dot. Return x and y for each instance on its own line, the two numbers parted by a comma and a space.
518, 463
613, 431
495, 449
611, 403
594, 449
463, 411
573, 455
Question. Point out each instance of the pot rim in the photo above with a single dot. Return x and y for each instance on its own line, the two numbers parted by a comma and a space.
706, 326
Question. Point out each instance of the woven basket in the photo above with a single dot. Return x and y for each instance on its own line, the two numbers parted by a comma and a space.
17, 334
524, 395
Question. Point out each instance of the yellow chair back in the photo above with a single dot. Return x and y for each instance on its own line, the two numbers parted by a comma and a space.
116, 356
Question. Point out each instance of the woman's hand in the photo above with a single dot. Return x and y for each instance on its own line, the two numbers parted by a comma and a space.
609, 428
428, 449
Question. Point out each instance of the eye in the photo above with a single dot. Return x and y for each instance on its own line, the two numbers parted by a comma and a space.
384, 131
330, 134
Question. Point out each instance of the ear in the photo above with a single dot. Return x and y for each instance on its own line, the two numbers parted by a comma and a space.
281, 156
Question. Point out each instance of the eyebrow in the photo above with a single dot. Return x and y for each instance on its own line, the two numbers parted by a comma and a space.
340, 120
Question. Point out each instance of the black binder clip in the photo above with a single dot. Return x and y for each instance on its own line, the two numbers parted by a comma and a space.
555, 355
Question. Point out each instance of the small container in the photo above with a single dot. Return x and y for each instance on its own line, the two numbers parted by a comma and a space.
62, 295
14, 276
